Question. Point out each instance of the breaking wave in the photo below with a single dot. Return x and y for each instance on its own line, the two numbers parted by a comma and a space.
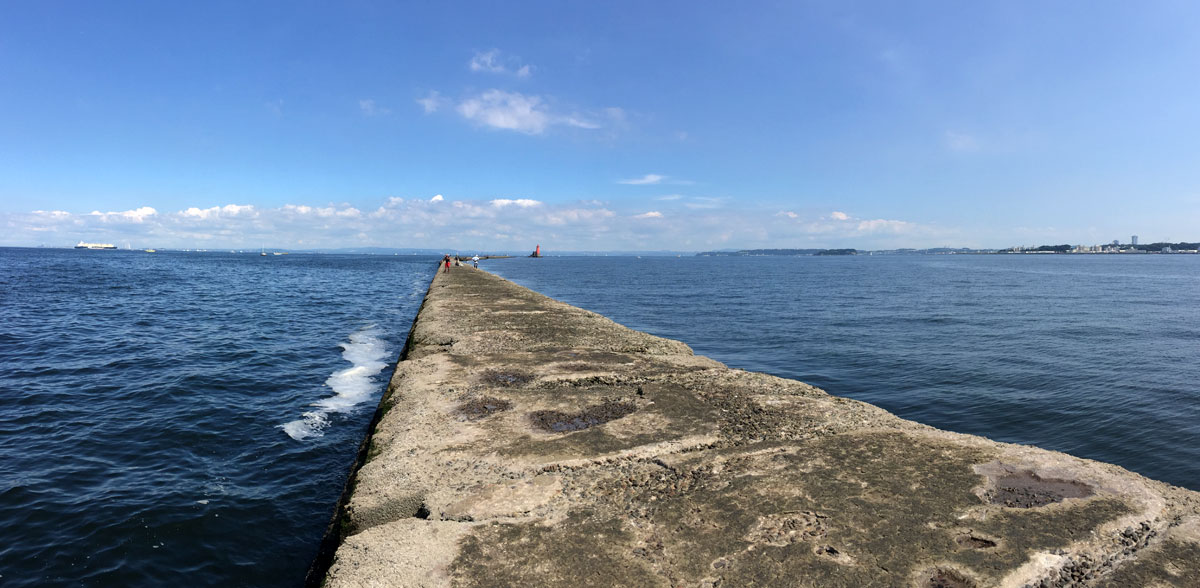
366, 353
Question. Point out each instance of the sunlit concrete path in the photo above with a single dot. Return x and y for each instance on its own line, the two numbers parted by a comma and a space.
526, 442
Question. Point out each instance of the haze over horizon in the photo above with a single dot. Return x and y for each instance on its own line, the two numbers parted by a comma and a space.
615, 126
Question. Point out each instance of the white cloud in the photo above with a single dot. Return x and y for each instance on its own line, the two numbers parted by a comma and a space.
704, 202
507, 110
229, 210
575, 121
520, 202
437, 198
60, 214
470, 224
884, 226
432, 102
960, 142
344, 211
648, 179
493, 62
840, 223
136, 215
670, 197
369, 108
573, 216
529, 114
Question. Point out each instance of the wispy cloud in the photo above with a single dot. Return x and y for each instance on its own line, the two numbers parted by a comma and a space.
960, 142
507, 110
655, 179
651, 214
370, 108
648, 179
513, 111
519, 202
493, 62
704, 202
845, 225
431, 102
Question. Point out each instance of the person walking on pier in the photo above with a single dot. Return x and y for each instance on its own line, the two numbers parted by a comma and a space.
446, 260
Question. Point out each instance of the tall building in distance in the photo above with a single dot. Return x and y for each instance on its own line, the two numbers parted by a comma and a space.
1135, 239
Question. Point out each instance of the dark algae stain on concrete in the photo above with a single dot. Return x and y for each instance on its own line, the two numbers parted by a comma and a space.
483, 407
1028, 490
563, 422
530, 443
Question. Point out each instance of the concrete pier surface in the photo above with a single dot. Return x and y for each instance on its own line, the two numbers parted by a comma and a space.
526, 442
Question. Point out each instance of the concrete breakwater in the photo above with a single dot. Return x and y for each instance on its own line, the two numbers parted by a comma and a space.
525, 442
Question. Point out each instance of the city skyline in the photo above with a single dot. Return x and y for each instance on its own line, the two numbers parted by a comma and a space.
612, 127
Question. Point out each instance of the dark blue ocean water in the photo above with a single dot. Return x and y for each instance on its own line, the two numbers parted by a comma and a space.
186, 418
1097, 356
191, 417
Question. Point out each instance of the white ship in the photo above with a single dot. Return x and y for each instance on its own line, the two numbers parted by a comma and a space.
83, 245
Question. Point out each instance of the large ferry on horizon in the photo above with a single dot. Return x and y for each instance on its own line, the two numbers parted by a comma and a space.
83, 245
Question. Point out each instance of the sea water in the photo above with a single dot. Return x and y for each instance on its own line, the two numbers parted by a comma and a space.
186, 417
1094, 355
192, 417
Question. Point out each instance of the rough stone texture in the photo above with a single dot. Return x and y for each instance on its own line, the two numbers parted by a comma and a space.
525, 442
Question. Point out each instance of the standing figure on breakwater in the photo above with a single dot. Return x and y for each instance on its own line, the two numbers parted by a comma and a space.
475, 261
446, 261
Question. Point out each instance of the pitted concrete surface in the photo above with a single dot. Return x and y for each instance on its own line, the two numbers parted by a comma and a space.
526, 442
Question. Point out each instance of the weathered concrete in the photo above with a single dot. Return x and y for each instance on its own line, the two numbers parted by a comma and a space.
526, 442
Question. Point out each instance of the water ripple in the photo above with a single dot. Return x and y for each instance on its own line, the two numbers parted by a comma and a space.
139, 401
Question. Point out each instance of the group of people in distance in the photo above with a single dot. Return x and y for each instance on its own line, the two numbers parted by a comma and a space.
446, 262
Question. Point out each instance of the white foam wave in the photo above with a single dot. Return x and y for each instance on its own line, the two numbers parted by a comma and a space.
366, 353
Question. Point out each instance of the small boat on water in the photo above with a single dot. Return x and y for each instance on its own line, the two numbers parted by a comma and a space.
83, 245
149, 250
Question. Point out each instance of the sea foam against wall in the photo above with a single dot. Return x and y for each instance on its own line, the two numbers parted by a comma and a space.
366, 353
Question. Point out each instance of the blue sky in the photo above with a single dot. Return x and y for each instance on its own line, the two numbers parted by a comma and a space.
607, 125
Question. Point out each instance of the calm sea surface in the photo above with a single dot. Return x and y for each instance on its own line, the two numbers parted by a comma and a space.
186, 418
191, 417
1097, 356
